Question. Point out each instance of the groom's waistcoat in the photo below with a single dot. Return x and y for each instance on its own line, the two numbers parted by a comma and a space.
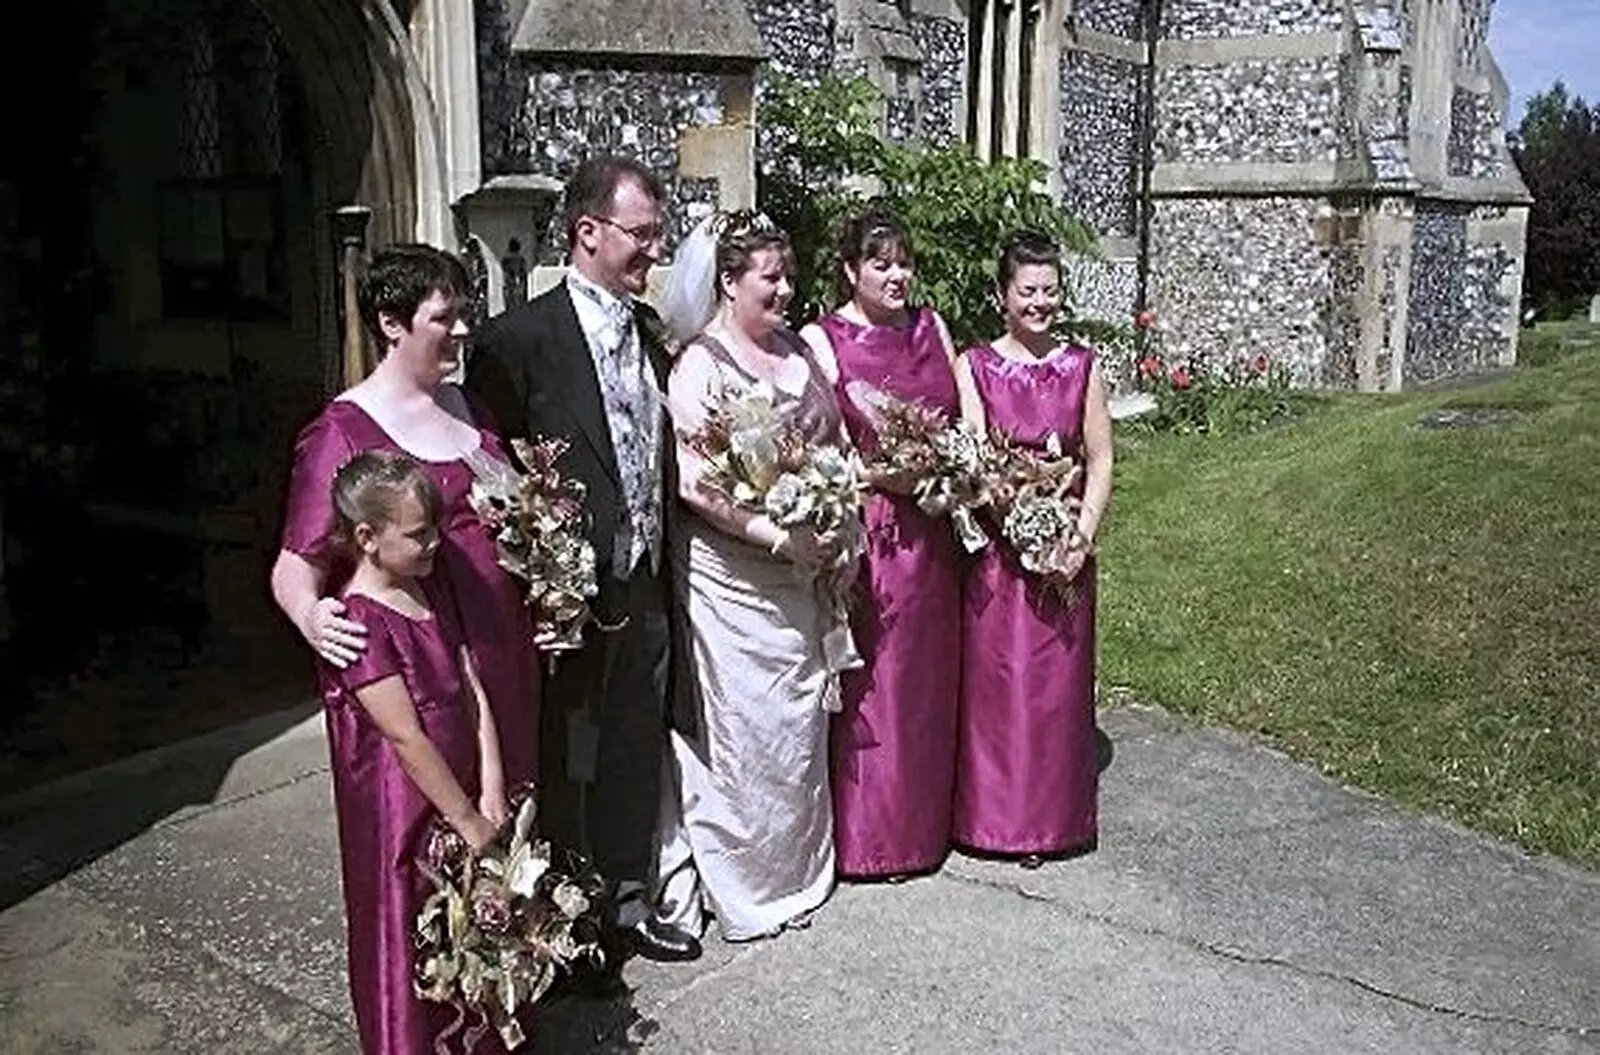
532, 368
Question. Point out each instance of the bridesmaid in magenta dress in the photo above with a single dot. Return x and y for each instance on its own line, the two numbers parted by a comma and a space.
893, 746
411, 740
412, 301
1026, 771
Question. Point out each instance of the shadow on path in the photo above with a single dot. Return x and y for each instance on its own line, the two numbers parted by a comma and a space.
50, 831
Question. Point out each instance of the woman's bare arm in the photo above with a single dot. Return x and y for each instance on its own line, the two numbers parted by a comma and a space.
392, 710
297, 588
1098, 456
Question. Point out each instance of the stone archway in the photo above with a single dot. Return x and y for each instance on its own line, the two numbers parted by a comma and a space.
189, 372
358, 72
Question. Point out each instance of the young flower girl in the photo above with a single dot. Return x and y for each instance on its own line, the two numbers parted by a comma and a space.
411, 739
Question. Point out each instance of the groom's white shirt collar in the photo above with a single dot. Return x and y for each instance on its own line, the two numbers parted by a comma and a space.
587, 289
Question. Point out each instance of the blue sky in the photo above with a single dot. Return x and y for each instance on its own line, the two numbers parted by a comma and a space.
1538, 41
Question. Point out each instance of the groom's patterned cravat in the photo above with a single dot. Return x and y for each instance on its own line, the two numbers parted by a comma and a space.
633, 414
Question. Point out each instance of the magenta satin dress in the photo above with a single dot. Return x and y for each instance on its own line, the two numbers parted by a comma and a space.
383, 818
493, 617
1026, 770
893, 745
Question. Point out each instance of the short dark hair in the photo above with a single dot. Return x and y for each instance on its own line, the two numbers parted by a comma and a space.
872, 234
368, 488
592, 188
400, 277
1023, 248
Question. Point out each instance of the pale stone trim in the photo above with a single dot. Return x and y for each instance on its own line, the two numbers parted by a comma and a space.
1510, 230
719, 29
1385, 232
445, 39
504, 208
1096, 43
433, 223
1218, 50
725, 153
1433, 63
1255, 177
954, 10
1119, 247
1508, 191
1044, 131
1011, 105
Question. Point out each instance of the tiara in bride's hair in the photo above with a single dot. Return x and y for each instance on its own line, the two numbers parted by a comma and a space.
741, 222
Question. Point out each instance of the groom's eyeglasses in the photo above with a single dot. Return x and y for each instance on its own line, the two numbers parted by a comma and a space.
643, 234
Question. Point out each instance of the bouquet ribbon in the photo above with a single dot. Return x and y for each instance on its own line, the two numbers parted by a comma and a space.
970, 534
839, 654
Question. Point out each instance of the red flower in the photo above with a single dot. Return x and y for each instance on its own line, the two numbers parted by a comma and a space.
1145, 319
1260, 365
1180, 378
1149, 367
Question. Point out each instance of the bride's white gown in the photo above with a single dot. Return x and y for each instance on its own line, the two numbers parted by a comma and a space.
749, 830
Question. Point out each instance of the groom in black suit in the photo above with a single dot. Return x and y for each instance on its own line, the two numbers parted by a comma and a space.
586, 362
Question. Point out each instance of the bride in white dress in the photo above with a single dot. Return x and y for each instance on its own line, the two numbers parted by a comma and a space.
749, 834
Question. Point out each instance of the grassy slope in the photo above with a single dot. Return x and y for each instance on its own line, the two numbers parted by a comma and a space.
1417, 612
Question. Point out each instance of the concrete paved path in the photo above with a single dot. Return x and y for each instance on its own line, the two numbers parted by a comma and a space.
188, 902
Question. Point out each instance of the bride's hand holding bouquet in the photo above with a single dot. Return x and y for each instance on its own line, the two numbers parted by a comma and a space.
806, 548
753, 456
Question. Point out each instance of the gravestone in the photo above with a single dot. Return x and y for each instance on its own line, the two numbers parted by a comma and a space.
1469, 417
1594, 308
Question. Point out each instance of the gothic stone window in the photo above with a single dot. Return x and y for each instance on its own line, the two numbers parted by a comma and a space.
222, 239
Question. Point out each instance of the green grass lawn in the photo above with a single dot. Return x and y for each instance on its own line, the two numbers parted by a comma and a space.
1415, 611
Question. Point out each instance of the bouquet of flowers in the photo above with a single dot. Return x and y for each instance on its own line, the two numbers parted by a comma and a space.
1041, 514
499, 927
537, 521
759, 461
948, 461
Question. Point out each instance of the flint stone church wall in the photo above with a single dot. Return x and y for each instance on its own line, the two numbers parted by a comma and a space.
1240, 276
798, 34
1457, 310
942, 43
1099, 152
542, 117
1229, 275
1204, 19
1274, 110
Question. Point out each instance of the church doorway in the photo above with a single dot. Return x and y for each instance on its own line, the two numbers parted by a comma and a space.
170, 272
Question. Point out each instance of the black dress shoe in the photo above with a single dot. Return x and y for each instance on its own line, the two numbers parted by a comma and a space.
591, 981
662, 942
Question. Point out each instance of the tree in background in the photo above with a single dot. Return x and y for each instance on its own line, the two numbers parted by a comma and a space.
824, 159
1557, 148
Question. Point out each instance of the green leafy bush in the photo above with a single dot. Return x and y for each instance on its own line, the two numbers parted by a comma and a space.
825, 160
